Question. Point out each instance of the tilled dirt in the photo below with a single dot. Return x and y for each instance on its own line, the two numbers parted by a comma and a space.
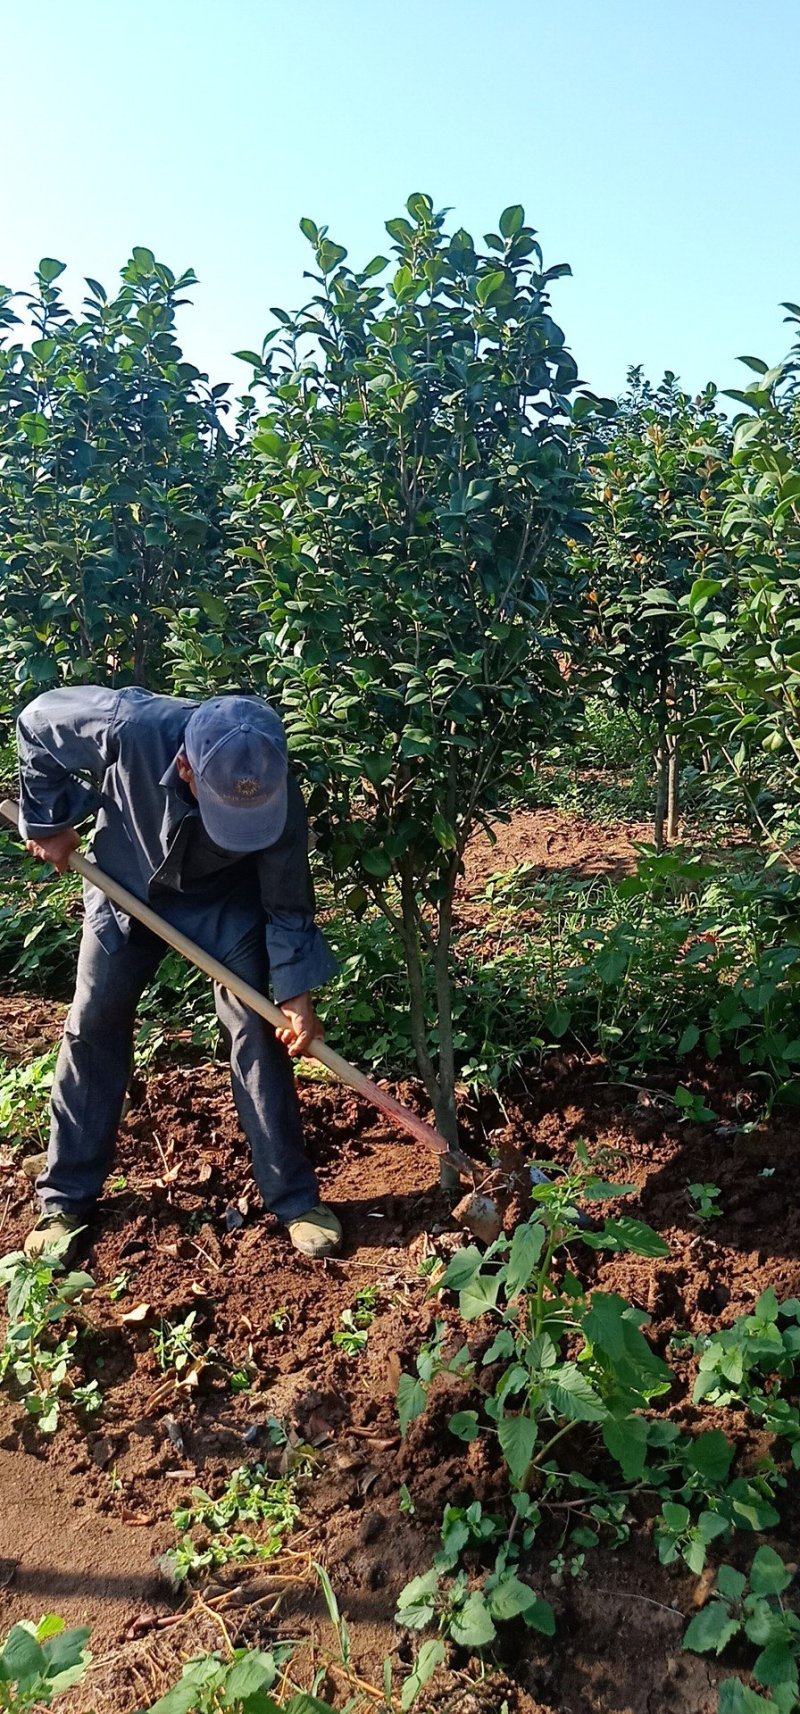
87, 1516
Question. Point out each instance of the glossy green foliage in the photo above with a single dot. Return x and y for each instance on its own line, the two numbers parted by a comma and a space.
113, 459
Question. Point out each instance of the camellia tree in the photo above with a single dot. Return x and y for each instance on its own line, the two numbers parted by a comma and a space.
655, 504
409, 484
113, 460
744, 629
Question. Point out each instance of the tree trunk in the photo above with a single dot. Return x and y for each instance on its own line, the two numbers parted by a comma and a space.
673, 787
445, 1104
441, 1092
662, 787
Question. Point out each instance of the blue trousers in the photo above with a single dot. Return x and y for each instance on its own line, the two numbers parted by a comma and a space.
94, 1065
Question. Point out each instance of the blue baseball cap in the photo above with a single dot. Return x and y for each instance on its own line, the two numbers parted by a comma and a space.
236, 748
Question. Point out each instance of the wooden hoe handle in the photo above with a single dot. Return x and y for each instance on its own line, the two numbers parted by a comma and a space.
319, 1050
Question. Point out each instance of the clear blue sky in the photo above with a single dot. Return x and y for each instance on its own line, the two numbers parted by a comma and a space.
654, 144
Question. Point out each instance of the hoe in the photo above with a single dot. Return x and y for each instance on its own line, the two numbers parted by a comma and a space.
457, 1162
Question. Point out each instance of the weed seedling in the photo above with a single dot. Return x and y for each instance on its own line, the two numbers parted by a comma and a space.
174, 1345
248, 1681
211, 1530
446, 1594
40, 1298
88, 1397
354, 1323
677, 1535
240, 1381
24, 1099
706, 1201
693, 1110
39, 1662
119, 1286
279, 1320
563, 1358
429, 1266
759, 1615
405, 1502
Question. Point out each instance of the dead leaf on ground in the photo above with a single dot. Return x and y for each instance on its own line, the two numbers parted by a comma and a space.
704, 1586
393, 1371
318, 1430
139, 1312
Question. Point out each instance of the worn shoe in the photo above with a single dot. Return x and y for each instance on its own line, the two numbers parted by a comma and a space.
316, 1233
51, 1229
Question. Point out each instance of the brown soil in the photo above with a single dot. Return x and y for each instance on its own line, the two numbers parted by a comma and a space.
554, 841
87, 1516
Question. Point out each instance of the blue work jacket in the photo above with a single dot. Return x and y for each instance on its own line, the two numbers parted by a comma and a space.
111, 753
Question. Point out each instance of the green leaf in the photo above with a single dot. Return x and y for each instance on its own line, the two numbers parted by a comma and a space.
635, 1236
557, 1020
767, 1306
689, 1039
309, 230
675, 1516
479, 1296
768, 1574
574, 1396
711, 1629
431, 1656
710, 1454
247, 1676
376, 862
731, 1583
517, 1436
461, 1268
712, 1524
445, 834
49, 269
512, 220
776, 1665
735, 1698
417, 1601
526, 1249
376, 266
182, 1697
464, 1425
472, 1627
539, 1616
626, 1440
34, 427
22, 1660
65, 1651
490, 285
411, 1401
52, 1625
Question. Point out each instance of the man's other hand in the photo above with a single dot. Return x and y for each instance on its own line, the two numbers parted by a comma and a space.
302, 1024
56, 850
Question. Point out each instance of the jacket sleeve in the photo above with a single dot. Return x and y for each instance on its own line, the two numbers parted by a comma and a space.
62, 736
299, 955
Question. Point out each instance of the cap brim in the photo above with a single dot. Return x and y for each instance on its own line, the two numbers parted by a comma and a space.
251, 828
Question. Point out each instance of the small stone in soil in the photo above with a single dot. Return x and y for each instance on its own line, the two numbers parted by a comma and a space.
481, 1217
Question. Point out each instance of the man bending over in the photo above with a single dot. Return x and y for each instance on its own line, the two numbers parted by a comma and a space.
199, 815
